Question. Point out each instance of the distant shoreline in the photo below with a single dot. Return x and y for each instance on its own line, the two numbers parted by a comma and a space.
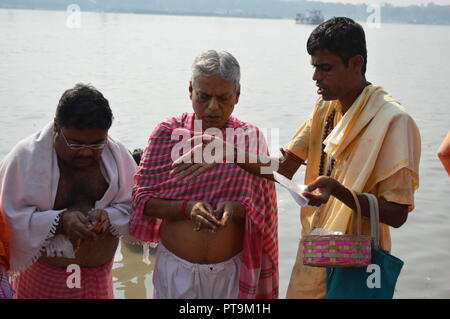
159, 12
199, 14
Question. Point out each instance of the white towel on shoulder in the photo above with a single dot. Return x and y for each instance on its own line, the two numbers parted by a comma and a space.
29, 177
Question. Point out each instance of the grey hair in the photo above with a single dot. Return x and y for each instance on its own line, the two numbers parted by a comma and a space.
213, 63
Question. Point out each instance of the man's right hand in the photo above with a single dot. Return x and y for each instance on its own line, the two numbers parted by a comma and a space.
202, 215
76, 225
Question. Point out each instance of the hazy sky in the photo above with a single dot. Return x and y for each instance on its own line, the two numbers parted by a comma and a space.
393, 2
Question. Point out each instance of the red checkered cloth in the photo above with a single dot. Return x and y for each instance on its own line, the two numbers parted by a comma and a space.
42, 281
6, 291
259, 268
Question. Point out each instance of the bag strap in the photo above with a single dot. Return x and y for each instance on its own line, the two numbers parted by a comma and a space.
358, 213
374, 218
315, 221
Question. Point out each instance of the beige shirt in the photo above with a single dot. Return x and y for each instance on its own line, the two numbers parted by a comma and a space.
377, 151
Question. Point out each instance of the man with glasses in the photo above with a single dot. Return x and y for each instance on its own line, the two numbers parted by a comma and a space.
66, 192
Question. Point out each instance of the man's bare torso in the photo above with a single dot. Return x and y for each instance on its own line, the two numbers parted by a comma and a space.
80, 189
202, 247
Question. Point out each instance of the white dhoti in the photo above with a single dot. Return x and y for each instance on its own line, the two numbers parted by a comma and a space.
176, 278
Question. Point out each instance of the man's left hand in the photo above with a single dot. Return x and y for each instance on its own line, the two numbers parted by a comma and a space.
226, 210
319, 191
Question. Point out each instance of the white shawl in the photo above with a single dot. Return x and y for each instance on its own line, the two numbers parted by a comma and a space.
29, 177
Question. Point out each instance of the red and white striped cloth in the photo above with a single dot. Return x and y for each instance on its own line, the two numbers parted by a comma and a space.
259, 268
42, 281
6, 291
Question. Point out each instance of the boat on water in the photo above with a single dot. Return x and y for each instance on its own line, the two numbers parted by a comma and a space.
309, 17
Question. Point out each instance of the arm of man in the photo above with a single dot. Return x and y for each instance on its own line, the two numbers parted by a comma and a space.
319, 192
444, 153
286, 165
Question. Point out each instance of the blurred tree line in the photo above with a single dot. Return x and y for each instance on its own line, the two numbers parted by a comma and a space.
423, 14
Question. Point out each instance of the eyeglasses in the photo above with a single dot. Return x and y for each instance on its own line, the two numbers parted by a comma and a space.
81, 146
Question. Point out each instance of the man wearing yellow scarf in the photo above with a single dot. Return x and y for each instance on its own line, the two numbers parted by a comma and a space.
357, 137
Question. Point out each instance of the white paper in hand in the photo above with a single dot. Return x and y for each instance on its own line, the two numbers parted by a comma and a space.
295, 189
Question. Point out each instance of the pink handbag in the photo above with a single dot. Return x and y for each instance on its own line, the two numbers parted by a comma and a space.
352, 250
